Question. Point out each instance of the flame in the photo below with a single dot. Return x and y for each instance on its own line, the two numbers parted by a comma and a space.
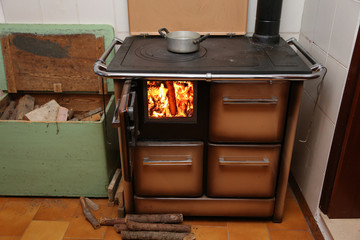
159, 103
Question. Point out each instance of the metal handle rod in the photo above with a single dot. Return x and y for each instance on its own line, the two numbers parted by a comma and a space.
303, 51
224, 161
227, 100
116, 120
167, 162
109, 49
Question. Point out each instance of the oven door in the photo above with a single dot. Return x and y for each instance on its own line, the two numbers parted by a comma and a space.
125, 117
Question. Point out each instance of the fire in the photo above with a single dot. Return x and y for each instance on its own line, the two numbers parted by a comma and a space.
169, 99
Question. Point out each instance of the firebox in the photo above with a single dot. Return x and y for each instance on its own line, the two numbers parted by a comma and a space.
172, 109
170, 101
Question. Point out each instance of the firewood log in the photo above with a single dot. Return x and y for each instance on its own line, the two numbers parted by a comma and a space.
88, 214
156, 235
136, 226
8, 111
25, 105
111, 221
155, 218
172, 98
120, 227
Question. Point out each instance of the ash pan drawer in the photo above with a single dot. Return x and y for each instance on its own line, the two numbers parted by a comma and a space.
242, 170
248, 112
168, 169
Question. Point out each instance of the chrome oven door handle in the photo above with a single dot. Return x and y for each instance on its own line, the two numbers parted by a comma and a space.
233, 161
272, 100
168, 160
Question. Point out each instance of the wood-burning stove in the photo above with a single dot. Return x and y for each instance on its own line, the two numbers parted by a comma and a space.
230, 154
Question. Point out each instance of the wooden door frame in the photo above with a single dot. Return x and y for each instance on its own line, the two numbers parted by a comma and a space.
343, 124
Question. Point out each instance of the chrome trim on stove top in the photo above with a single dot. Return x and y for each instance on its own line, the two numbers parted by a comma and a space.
318, 70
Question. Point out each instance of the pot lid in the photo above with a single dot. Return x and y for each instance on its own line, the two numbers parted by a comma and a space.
202, 16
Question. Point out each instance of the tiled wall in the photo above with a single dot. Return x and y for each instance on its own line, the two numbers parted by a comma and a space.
328, 32
114, 12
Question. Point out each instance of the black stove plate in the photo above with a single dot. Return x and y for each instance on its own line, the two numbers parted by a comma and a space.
221, 55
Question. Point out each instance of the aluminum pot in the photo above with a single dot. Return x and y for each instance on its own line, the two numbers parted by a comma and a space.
182, 41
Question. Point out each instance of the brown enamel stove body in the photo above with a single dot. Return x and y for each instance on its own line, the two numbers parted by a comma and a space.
233, 159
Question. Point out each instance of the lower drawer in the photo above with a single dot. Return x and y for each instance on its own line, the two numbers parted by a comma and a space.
205, 206
242, 170
168, 169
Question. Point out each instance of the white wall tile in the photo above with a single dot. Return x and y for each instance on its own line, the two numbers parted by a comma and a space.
309, 18
19, 11
323, 23
306, 115
320, 141
287, 35
333, 87
310, 158
305, 41
93, 11
2, 17
291, 15
251, 17
311, 86
343, 36
59, 11
121, 18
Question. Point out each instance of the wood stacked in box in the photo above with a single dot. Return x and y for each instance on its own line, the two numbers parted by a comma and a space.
41, 107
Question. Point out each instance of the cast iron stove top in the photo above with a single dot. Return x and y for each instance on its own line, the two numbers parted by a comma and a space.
217, 55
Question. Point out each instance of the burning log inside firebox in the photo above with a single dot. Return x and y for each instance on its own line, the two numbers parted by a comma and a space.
170, 99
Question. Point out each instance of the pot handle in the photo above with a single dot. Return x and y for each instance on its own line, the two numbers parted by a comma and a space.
161, 30
201, 39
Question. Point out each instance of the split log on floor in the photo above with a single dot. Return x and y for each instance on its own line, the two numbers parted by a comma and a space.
113, 185
172, 98
121, 211
25, 105
119, 194
8, 111
155, 218
111, 221
156, 235
88, 214
158, 227
120, 227
91, 204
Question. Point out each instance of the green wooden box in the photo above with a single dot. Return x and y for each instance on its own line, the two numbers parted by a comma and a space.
56, 158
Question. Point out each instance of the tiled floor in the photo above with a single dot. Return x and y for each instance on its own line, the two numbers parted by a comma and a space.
344, 229
62, 219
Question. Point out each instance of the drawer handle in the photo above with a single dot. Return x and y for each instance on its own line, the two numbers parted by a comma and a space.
169, 160
263, 162
272, 100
